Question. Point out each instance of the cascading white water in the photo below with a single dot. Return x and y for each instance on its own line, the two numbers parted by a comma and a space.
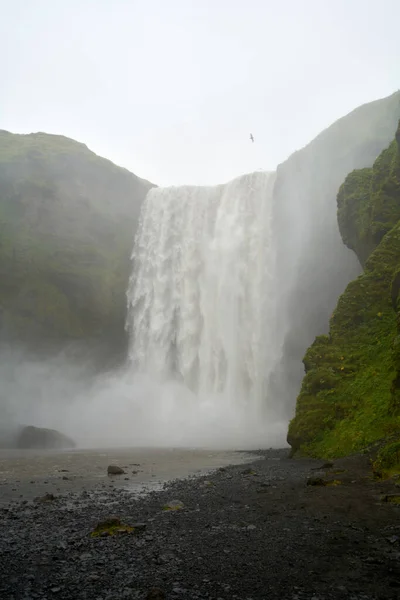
201, 303
204, 336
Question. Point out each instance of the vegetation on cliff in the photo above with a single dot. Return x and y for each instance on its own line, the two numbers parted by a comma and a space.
314, 266
67, 219
350, 396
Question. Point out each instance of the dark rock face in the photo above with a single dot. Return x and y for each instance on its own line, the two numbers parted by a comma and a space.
42, 439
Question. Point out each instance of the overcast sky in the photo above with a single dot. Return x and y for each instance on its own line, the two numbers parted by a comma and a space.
171, 89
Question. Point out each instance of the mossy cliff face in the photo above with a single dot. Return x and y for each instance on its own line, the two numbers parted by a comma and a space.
67, 219
314, 266
368, 204
350, 396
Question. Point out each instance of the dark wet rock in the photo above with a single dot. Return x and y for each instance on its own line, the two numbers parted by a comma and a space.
327, 465
115, 470
393, 539
46, 498
111, 526
155, 593
316, 481
85, 556
42, 439
109, 522
249, 471
173, 505
139, 526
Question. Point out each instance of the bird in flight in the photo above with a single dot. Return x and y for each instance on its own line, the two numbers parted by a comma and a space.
251, 137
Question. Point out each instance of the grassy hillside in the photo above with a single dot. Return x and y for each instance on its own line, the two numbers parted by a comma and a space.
67, 219
350, 396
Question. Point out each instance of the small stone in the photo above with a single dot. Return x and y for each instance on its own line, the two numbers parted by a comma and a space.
173, 505
114, 470
317, 481
62, 546
85, 556
55, 590
249, 471
251, 527
65, 478
155, 593
139, 526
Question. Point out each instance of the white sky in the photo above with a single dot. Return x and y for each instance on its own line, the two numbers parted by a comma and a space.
171, 89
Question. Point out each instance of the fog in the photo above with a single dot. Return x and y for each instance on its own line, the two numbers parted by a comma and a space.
120, 408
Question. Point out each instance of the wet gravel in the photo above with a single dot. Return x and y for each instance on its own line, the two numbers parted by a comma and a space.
245, 532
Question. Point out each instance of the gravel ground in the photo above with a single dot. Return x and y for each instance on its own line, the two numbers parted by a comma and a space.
246, 532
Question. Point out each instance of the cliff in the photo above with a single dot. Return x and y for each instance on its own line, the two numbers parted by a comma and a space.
67, 219
314, 266
350, 395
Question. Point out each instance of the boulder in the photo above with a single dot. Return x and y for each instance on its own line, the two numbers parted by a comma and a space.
46, 498
114, 470
42, 439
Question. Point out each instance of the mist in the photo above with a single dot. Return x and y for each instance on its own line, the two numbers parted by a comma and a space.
120, 408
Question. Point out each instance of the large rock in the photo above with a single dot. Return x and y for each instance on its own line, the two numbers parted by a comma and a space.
44, 439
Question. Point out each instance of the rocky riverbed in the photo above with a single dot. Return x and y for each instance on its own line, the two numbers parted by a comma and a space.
272, 529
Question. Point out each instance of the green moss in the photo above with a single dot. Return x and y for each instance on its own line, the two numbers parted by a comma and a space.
111, 526
350, 395
393, 499
368, 205
387, 462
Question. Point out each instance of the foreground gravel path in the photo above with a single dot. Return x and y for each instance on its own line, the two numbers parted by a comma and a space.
245, 532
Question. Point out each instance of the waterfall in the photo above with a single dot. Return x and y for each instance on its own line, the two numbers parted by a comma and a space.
201, 303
